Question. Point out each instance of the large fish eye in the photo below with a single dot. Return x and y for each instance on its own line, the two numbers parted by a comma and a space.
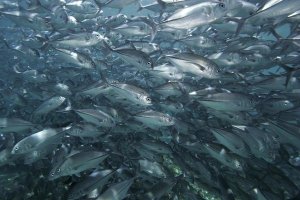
222, 5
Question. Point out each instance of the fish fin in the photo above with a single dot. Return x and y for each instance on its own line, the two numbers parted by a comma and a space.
200, 66
64, 111
139, 7
290, 72
46, 44
240, 23
130, 43
73, 152
162, 4
107, 46
275, 34
101, 5
152, 24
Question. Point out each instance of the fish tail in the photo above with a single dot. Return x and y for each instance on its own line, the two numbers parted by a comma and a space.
162, 4
101, 5
240, 23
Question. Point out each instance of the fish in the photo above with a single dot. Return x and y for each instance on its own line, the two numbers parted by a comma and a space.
83, 7
76, 163
160, 189
14, 125
232, 142
117, 191
95, 180
208, 12
196, 65
229, 102
96, 117
154, 119
137, 58
49, 105
149, 99
38, 140
76, 59
152, 168
220, 153
77, 40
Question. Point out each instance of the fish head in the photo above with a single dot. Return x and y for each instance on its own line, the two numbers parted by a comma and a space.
54, 173
145, 99
168, 120
212, 72
228, 5
239, 166
147, 63
21, 148
221, 8
97, 36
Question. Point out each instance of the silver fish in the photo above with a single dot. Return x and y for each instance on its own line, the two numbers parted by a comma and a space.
77, 163
196, 65
154, 119
14, 125
96, 117
49, 105
117, 191
38, 140
206, 12
228, 102
95, 180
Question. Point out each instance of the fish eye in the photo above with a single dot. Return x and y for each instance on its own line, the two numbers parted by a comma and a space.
148, 99
222, 5
58, 170
149, 63
52, 174
16, 148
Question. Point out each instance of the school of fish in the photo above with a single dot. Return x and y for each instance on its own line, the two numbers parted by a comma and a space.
150, 99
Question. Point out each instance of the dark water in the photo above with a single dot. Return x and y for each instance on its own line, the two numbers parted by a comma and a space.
149, 100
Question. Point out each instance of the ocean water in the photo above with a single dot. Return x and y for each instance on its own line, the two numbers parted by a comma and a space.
149, 100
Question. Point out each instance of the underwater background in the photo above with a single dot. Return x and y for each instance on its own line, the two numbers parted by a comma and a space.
149, 99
